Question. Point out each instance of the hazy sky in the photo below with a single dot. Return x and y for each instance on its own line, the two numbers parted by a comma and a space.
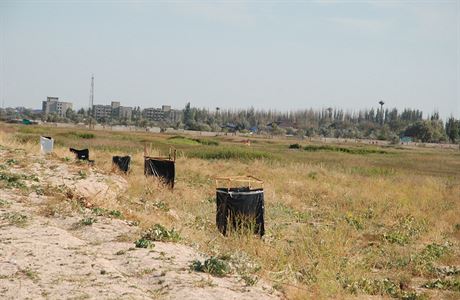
279, 55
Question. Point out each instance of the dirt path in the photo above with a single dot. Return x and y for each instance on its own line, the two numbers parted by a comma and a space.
46, 254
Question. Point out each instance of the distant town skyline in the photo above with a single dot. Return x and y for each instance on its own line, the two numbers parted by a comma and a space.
233, 55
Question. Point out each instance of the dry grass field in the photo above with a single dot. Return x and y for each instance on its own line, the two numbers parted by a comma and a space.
341, 221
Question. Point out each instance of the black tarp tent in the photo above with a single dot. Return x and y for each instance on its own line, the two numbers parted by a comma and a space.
122, 162
240, 207
162, 168
81, 154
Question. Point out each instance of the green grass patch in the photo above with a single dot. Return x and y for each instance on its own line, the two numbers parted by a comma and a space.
82, 135
181, 140
230, 153
372, 171
314, 148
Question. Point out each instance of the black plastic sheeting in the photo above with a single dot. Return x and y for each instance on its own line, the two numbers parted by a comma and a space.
241, 208
81, 154
165, 169
122, 162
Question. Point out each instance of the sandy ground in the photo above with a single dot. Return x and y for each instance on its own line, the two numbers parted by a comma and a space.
53, 257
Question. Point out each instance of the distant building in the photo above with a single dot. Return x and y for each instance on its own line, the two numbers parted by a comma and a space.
102, 111
53, 105
163, 114
114, 110
154, 114
123, 112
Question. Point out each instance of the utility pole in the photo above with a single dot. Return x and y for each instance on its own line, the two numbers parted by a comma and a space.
91, 101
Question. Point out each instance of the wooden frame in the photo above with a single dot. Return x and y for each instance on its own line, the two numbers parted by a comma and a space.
232, 180
171, 155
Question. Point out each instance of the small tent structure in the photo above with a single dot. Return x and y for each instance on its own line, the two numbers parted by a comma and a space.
240, 203
46, 144
122, 162
163, 167
81, 154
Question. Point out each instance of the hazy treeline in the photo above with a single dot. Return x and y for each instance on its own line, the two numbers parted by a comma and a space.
385, 124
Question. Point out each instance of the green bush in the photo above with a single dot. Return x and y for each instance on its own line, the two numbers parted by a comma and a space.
295, 146
212, 265
143, 243
159, 233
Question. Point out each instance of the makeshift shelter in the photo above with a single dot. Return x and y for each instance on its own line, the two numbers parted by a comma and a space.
46, 144
162, 167
240, 204
122, 162
81, 154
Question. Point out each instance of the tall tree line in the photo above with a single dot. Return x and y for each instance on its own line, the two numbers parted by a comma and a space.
385, 124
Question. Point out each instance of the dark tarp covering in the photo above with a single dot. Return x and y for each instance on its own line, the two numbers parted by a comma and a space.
81, 154
241, 207
163, 168
122, 162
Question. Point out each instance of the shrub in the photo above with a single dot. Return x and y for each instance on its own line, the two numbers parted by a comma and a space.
159, 233
212, 265
143, 243
295, 146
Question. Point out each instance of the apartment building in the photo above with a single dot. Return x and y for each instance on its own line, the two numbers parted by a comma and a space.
53, 105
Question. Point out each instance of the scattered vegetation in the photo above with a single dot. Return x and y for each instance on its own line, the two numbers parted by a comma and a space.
382, 287
16, 219
98, 211
4, 203
159, 233
444, 284
85, 222
10, 180
29, 273
82, 174
401, 233
161, 205
336, 224
212, 265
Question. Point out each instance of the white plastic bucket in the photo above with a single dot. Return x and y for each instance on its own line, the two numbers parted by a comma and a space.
46, 144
